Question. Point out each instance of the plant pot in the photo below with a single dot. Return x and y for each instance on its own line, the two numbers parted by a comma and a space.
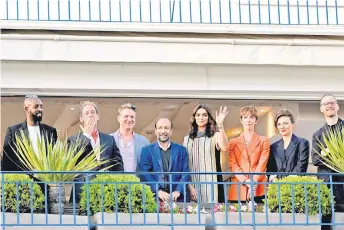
57, 199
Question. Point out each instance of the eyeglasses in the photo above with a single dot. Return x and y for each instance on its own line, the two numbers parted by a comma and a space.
329, 103
30, 96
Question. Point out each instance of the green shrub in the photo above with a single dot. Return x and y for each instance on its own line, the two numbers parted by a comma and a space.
24, 193
299, 195
109, 197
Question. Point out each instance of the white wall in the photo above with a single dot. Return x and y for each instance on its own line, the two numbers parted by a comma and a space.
169, 49
162, 80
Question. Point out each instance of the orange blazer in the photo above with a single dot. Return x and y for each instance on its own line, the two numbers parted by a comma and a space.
252, 158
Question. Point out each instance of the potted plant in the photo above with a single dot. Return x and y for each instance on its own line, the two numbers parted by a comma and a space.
102, 195
58, 157
122, 200
293, 199
299, 194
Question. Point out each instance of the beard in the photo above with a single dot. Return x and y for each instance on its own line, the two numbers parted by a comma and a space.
163, 139
331, 113
37, 117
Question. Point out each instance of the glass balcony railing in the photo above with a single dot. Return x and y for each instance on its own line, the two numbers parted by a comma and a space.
269, 12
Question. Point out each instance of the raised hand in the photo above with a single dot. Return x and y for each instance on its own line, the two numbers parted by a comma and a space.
89, 125
220, 117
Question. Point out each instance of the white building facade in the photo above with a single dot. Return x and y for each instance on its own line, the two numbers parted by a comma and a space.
257, 50
287, 56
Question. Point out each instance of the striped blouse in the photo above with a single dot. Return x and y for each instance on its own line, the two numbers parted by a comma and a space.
201, 151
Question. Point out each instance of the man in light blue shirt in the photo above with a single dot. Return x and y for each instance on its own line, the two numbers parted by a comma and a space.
129, 142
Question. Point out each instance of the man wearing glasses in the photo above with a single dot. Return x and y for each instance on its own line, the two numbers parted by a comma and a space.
33, 130
129, 143
329, 107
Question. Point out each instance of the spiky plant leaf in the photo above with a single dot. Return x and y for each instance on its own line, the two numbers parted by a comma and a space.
57, 157
333, 149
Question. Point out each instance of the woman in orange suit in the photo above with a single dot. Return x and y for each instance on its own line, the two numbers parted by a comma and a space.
248, 153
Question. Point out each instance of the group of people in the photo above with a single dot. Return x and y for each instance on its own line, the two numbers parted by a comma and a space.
202, 156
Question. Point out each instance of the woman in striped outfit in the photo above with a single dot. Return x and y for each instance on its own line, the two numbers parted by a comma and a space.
206, 142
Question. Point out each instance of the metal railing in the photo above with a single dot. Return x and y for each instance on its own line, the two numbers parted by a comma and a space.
102, 203
270, 12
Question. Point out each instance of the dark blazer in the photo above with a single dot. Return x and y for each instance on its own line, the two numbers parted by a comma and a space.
296, 156
110, 152
151, 161
10, 160
338, 189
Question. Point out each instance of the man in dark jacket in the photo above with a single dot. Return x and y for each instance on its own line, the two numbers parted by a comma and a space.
92, 139
32, 129
329, 107
165, 156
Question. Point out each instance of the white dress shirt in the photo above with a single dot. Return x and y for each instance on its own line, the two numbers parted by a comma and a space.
34, 135
95, 144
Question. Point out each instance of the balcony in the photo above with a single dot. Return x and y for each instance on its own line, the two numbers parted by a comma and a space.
325, 17
112, 200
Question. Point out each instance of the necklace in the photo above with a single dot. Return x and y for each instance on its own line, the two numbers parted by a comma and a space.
200, 134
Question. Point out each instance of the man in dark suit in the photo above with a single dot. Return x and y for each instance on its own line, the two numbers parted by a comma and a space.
329, 107
32, 129
165, 156
92, 139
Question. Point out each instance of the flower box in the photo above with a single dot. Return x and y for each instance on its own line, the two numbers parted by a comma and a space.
42, 219
270, 221
164, 219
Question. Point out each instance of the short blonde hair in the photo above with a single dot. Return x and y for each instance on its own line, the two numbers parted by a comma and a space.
85, 103
249, 110
126, 106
